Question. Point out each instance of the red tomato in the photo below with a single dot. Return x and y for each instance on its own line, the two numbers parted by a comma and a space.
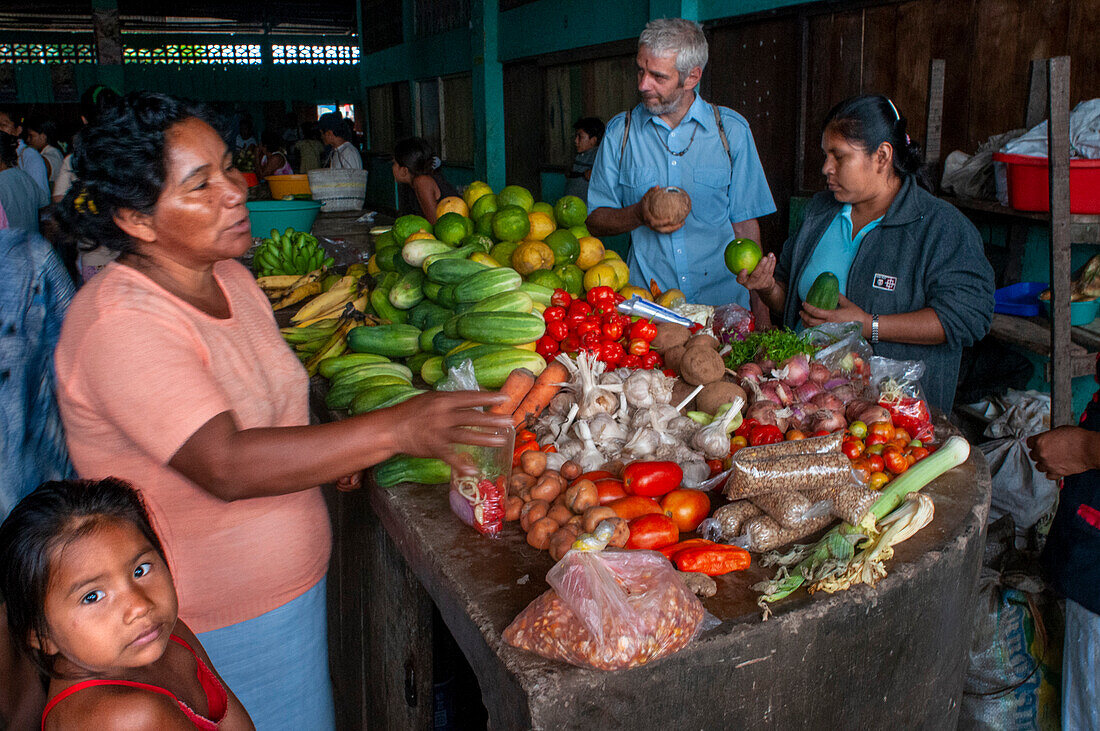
795, 435
632, 506
560, 298
883, 428
894, 459
687, 508
861, 469
570, 344
715, 466
554, 314
765, 434
737, 444
643, 330
652, 479
547, 347
557, 329
852, 448
652, 532
822, 433
919, 453
873, 438
874, 449
745, 428
638, 347
877, 480
610, 489
900, 433
875, 462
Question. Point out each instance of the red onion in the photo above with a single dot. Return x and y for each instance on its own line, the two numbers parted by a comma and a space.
854, 407
799, 416
819, 372
766, 365
835, 383
827, 420
461, 507
750, 371
826, 400
872, 414
763, 412
807, 391
770, 389
798, 370
785, 394
844, 393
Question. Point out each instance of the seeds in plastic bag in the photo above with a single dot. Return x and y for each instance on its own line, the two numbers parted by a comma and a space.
764, 534
783, 474
789, 509
850, 501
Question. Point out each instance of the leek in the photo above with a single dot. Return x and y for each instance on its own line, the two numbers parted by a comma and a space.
833, 555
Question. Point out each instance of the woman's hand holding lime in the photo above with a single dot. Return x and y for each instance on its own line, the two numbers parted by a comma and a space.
846, 311
761, 278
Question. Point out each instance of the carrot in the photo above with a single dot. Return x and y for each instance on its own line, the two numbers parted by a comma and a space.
538, 398
516, 386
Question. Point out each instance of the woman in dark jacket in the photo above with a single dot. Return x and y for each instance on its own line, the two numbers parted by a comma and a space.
911, 268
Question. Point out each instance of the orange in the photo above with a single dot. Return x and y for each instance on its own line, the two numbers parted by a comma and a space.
474, 191
452, 204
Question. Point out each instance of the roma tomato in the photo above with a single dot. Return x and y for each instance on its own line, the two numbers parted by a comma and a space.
652, 479
687, 508
594, 476
632, 506
610, 489
652, 532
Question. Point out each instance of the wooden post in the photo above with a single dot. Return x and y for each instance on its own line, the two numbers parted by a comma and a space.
1037, 93
803, 103
934, 128
1061, 387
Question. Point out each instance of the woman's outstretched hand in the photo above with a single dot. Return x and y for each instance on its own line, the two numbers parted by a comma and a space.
846, 311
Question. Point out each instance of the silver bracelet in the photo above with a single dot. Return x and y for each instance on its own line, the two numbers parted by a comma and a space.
874, 329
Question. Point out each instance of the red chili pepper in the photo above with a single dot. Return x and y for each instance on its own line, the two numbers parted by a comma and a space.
651, 360
713, 560
639, 348
530, 446
557, 329
675, 548
600, 295
547, 347
525, 435
631, 361
643, 330
560, 298
745, 428
652, 479
765, 434
553, 314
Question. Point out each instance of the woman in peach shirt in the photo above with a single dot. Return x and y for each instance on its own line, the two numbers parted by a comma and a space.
172, 374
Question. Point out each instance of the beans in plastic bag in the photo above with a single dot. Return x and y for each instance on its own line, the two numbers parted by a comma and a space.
850, 502
609, 610
792, 509
764, 534
784, 474
727, 520
813, 445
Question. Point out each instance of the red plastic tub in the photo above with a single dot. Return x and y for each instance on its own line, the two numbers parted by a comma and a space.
1029, 183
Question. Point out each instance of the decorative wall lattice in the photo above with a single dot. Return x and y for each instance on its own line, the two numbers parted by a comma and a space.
52, 53
313, 55
239, 54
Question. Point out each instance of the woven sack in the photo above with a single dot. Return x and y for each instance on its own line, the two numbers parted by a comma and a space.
338, 190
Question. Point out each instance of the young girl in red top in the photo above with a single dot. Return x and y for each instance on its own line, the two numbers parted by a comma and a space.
91, 600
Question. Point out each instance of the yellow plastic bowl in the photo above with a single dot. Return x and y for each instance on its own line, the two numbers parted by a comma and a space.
284, 185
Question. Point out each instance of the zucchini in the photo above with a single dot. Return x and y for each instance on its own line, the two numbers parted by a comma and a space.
487, 283
341, 396
491, 370
506, 328
460, 253
416, 251
392, 341
447, 296
442, 344
370, 370
452, 271
408, 293
427, 336
400, 398
431, 290
371, 399
824, 292
476, 350
403, 468
384, 258
414, 362
329, 367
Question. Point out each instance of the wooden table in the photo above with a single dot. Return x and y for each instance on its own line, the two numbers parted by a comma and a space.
892, 655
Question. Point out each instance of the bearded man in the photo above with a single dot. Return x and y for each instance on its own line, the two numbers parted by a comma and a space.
674, 138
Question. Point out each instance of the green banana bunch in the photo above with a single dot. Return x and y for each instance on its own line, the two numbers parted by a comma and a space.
289, 252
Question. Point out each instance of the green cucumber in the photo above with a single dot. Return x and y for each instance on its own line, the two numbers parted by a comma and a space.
824, 293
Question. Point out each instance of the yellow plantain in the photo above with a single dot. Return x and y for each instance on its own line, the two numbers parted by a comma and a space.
360, 303
342, 292
298, 294
276, 282
305, 334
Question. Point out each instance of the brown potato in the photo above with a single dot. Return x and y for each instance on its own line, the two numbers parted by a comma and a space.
577, 522
559, 500
702, 365
621, 534
560, 513
702, 338
520, 481
531, 512
570, 470
538, 535
562, 541
556, 477
669, 335
533, 463
512, 507
715, 394
546, 489
594, 515
673, 356
582, 496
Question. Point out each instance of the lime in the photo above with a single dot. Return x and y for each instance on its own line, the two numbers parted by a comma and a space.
383, 240
503, 251
482, 241
514, 195
572, 277
452, 227
484, 224
406, 226
742, 254
546, 278
579, 231
564, 245
543, 207
570, 211
510, 223
484, 204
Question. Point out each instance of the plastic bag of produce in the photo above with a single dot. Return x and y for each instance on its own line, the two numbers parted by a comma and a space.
841, 347
732, 322
794, 472
609, 610
479, 499
900, 393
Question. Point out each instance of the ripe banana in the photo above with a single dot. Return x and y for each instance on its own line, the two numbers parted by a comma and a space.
298, 294
343, 291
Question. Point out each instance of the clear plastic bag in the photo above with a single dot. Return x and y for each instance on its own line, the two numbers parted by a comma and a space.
793, 509
900, 393
725, 523
609, 610
849, 502
841, 347
814, 445
764, 534
784, 474
732, 323
478, 500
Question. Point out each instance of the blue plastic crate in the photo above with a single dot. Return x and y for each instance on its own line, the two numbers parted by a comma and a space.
1020, 299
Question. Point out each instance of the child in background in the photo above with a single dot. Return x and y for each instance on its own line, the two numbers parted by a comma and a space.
416, 165
588, 133
91, 600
